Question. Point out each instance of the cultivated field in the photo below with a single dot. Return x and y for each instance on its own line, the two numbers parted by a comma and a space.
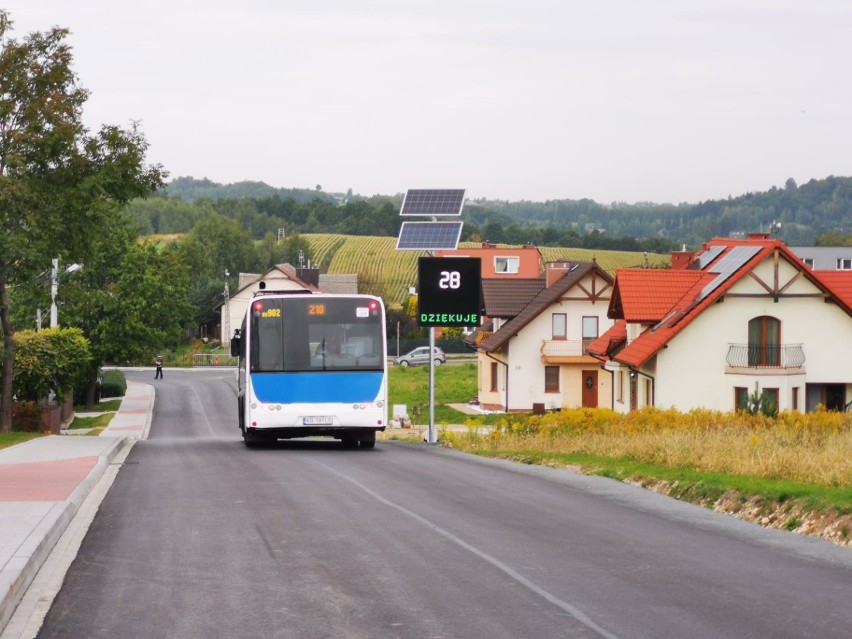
384, 271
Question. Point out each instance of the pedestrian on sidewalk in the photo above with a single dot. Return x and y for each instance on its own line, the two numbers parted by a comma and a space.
159, 362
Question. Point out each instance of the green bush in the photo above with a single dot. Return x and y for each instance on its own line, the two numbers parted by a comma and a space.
113, 384
52, 360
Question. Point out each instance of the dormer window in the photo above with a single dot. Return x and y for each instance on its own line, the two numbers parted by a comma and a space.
506, 265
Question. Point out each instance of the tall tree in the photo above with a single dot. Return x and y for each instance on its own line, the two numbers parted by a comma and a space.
59, 183
129, 301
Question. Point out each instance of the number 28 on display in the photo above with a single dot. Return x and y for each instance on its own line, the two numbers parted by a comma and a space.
450, 279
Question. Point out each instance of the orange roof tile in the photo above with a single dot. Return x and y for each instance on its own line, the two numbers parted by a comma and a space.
602, 345
646, 295
840, 283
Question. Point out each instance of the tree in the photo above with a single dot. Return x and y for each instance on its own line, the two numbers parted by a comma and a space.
59, 183
292, 247
130, 301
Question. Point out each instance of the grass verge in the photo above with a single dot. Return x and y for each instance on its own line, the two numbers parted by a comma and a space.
689, 484
96, 423
15, 437
102, 407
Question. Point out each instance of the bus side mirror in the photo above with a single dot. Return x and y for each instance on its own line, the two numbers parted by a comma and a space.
235, 344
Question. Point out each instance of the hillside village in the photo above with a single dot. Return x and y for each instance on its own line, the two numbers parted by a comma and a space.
723, 326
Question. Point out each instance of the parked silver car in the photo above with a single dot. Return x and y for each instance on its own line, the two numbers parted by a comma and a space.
421, 356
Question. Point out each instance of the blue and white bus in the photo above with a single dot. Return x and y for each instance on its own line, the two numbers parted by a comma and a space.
312, 364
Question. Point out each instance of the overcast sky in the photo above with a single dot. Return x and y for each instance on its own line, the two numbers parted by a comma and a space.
613, 100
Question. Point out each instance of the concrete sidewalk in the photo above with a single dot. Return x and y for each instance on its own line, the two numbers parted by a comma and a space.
44, 481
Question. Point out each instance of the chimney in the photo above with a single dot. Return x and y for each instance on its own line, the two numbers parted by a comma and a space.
759, 236
556, 270
682, 259
308, 275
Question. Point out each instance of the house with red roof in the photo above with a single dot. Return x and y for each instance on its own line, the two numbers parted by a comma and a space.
737, 317
533, 351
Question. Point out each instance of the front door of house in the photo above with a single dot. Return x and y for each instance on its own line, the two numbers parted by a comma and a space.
590, 389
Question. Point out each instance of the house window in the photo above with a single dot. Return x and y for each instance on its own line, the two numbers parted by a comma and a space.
649, 393
619, 386
770, 399
506, 264
844, 264
764, 341
551, 379
590, 332
794, 403
809, 261
493, 376
741, 398
559, 326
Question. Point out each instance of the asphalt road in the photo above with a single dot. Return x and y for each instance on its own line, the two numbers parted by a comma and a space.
201, 537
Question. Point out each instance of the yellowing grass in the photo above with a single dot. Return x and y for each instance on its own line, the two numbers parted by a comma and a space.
814, 448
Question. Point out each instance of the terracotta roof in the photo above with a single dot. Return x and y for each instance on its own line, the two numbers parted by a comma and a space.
507, 298
646, 295
840, 283
604, 344
541, 301
695, 300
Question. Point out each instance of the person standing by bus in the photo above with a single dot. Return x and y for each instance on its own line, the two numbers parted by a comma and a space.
159, 362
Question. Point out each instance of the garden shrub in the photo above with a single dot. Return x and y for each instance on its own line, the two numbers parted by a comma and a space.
113, 384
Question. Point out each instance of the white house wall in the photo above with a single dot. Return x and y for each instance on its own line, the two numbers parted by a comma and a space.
691, 371
526, 370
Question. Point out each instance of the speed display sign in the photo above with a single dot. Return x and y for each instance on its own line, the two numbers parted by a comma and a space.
449, 291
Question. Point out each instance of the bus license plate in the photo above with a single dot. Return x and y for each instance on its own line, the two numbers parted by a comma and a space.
317, 421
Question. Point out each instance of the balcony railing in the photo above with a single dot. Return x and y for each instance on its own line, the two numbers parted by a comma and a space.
565, 347
757, 356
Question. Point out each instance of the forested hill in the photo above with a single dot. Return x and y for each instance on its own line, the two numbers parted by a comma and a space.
190, 189
803, 212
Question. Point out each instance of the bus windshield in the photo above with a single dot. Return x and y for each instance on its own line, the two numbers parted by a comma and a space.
306, 333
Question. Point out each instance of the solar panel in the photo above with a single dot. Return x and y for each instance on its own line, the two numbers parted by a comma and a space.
708, 256
734, 259
727, 266
433, 202
429, 236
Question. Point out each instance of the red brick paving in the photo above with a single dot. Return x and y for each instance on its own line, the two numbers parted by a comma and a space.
43, 481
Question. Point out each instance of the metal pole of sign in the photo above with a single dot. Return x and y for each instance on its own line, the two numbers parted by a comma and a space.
432, 433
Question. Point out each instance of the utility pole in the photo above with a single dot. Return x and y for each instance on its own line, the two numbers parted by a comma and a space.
54, 288
226, 313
